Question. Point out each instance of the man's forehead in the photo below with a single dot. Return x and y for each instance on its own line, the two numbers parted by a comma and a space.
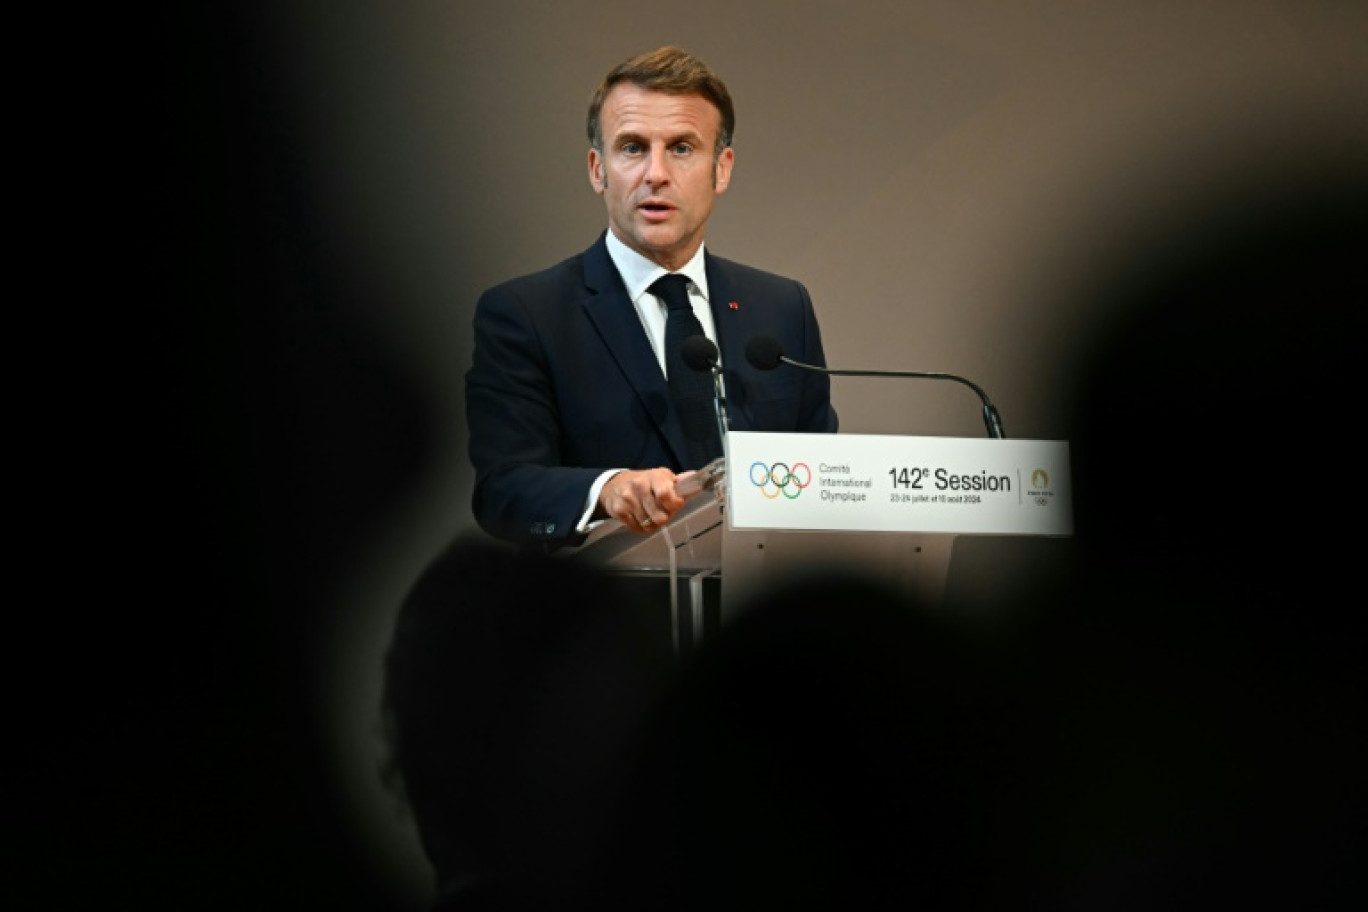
632, 109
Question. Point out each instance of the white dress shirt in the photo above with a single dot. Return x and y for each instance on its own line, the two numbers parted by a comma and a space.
638, 273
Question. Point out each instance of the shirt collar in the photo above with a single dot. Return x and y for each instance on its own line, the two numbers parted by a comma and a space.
638, 272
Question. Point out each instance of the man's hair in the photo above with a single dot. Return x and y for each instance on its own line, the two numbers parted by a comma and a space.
674, 72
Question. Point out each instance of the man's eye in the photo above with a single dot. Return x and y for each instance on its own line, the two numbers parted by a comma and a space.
682, 148
631, 148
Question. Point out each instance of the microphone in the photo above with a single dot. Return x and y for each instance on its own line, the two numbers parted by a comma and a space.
765, 353
700, 354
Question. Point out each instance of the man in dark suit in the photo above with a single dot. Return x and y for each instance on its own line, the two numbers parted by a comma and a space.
570, 414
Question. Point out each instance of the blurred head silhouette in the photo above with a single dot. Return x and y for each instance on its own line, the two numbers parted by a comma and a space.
835, 747
1203, 670
513, 685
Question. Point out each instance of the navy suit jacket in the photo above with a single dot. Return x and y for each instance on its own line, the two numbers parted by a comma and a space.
565, 384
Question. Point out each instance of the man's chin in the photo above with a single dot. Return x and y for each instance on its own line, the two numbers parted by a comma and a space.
659, 237
658, 245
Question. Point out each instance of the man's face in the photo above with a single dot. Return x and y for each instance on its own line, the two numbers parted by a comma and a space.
656, 172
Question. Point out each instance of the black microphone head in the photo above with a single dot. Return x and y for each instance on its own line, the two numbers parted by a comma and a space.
699, 353
764, 352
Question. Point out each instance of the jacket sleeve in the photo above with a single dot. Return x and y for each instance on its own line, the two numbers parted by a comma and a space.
816, 415
522, 492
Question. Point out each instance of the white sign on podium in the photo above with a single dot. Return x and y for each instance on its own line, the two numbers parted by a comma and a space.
887, 506
877, 483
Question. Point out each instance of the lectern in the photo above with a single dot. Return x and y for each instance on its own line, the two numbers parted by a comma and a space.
887, 506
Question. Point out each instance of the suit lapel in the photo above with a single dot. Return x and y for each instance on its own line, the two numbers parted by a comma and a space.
610, 310
735, 327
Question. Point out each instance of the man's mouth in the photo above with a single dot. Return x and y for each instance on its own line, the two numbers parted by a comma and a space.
655, 207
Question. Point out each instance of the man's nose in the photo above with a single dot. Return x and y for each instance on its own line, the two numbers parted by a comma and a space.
657, 167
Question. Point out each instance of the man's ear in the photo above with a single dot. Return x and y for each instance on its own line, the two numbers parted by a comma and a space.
597, 178
722, 170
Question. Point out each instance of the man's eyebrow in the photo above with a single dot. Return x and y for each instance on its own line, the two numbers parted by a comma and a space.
631, 136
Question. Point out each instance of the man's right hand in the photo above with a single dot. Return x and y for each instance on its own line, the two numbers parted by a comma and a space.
642, 500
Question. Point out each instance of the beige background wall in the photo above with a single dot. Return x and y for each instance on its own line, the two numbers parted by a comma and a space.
952, 180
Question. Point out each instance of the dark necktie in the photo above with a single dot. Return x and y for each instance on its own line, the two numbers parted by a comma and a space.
692, 389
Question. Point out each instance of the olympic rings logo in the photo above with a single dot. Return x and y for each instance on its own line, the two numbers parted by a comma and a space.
780, 479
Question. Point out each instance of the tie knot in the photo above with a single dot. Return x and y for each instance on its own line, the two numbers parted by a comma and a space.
673, 289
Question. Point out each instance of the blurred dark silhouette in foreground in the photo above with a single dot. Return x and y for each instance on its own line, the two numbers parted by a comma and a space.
1207, 670
837, 747
514, 684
